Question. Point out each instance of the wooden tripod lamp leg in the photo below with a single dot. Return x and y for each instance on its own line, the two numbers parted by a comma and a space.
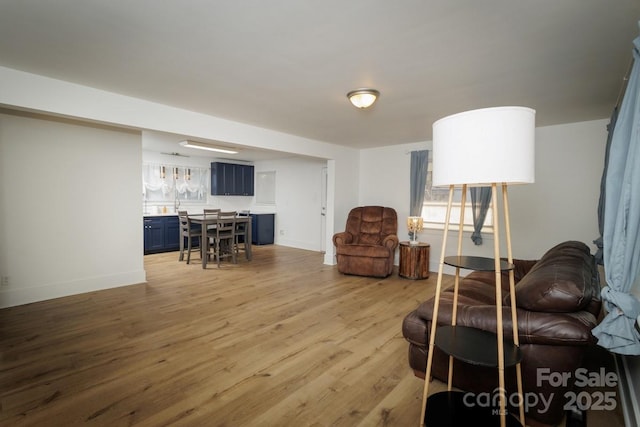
456, 283
499, 326
512, 295
436, 307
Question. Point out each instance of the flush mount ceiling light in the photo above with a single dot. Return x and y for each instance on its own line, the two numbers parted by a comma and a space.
203, 146
363, 98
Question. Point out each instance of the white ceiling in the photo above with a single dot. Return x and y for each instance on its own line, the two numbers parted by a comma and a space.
288, 64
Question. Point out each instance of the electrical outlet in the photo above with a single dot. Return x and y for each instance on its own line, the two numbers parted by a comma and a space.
5, 281
282, 232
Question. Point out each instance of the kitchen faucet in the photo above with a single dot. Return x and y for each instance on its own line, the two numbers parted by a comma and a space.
176, 202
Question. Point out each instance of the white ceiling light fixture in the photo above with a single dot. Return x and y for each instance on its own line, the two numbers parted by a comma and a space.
204, 146
363, 98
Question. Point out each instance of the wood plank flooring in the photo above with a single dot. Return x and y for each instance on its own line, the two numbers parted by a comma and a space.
282, 340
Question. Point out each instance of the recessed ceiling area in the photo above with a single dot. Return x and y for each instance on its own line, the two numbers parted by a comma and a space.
287, 65
169, 144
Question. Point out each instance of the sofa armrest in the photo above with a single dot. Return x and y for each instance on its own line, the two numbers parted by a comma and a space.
556, 328
391, 241
342, 238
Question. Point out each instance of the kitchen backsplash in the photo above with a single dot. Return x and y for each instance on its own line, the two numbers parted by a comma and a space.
226, 203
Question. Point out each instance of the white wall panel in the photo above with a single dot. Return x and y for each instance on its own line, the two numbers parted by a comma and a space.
71, 211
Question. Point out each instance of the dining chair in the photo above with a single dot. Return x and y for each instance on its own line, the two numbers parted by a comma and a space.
190, 232
242, 240
209, 213
223, 236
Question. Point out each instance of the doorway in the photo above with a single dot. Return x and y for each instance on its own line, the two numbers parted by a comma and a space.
323, 210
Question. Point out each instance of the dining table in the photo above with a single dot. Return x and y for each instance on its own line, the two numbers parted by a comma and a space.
207, 220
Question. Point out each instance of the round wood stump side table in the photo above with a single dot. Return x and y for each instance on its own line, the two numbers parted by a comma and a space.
414, 260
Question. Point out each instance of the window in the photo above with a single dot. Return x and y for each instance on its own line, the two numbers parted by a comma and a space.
266, 188
434, 207
170, 183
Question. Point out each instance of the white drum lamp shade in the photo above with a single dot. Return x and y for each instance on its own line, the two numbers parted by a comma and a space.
485, 146
490, 147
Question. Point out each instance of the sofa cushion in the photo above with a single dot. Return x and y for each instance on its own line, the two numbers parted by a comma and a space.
560, 282
371, 251
369, 235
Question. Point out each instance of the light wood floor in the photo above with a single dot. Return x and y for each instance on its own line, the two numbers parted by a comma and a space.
280, 341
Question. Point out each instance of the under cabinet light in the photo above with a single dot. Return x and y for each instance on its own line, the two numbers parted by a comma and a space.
203, 146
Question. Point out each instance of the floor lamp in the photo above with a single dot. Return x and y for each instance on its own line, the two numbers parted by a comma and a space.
491, 147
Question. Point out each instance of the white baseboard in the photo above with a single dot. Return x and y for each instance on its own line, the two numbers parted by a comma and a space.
24, 295
330, 259
298, 244
628, 368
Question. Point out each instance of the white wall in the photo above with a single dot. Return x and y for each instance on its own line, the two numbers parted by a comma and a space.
71, 217
298, 202
563, 202
384, 178
343, 191
26, 91
560, 205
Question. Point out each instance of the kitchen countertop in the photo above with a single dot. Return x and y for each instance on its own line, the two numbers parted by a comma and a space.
161, 214
144, 214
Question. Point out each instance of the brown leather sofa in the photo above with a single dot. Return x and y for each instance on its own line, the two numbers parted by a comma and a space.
558, 303
368, 244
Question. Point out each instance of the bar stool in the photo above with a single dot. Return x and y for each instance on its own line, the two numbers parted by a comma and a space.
243, 241
189, 232
211, 213
223, 236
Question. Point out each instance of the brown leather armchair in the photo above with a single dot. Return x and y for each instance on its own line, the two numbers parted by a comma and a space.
367, 246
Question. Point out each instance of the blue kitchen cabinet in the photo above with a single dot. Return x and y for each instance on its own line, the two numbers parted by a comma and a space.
245, 180
161, 234
171, 233
262, 228
231, 179
153, 234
